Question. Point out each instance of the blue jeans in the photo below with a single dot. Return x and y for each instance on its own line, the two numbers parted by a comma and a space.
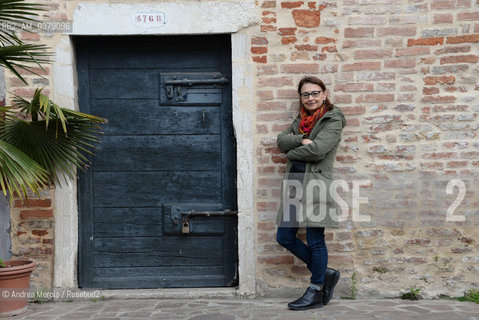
315, 254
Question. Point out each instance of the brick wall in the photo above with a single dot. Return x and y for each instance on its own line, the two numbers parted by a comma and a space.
405, 75
32, 234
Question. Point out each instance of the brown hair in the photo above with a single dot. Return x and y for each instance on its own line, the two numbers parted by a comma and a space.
313, 80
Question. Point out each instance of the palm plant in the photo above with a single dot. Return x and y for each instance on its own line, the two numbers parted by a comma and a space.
40, 142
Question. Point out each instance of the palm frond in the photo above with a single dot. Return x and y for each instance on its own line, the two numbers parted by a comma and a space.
60, 140
13, 13
19, 172
22, 57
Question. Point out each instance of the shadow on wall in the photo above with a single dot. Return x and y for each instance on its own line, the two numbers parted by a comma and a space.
5, 243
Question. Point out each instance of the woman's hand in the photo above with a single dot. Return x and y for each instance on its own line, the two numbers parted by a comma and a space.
306, 141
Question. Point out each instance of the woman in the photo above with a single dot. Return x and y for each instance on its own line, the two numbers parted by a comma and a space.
310, 144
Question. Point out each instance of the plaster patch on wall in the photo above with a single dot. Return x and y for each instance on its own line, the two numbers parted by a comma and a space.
180, 17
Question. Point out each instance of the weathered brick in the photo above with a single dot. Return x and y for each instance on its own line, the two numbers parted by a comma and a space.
455, 49
287, 31
361, 43
329, 49
343, 98
369, 98
364, 32
267, 69
300, 68
259, 41
306, 47
450, 4
353, 111
288, 259
307, 18
439, 155
463, 39
39, 233
468, 16
288, 40
460, 59
372, 54
385, 87
357, 66
269, 4
375, 75
400, 63
268, 20
324, 40
36, 213
340, 260
271, 105
425, 41
259, 50
287, 94
267, 28
457, 164
396, 31
432, 80
275, 82
291, 4
412, 51
260, 59
430, 90
29, 203
266, 206
470, 155
443, 18
367, 20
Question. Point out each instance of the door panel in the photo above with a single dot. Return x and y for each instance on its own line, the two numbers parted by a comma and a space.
169, 140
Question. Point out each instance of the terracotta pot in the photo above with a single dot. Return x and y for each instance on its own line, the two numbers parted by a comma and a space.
14, 285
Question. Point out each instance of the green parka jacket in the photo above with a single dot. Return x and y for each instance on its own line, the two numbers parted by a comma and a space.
318, 209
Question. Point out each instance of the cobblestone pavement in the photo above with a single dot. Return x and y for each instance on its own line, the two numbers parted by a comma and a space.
235, 309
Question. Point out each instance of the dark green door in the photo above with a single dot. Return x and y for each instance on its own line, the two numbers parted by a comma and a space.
157, 207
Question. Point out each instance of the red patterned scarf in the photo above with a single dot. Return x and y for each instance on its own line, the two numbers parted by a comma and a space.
308, 120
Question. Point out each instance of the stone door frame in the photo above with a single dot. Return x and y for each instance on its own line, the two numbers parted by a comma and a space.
206, 18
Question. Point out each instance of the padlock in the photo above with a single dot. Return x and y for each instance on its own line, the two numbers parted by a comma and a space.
185, 222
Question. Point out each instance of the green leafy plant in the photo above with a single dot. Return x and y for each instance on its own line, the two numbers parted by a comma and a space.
413, 294
39, 141
2, 265
472, 295
39, 297
354, 289
380, 269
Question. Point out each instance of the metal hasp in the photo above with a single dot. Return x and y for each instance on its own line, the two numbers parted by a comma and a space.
210, 213
180, 218
191, 87
190, 82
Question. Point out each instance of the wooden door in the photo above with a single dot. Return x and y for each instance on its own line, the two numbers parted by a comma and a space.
167, 157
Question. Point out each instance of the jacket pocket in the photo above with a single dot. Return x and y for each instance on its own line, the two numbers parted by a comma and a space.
327, 175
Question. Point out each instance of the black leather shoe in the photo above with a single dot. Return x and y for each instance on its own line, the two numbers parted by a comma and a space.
331, 278
310, 299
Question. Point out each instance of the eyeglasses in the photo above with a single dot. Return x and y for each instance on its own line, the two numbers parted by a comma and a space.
313, 94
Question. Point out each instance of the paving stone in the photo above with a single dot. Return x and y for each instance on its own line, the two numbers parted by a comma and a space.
214, 316
255, 309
